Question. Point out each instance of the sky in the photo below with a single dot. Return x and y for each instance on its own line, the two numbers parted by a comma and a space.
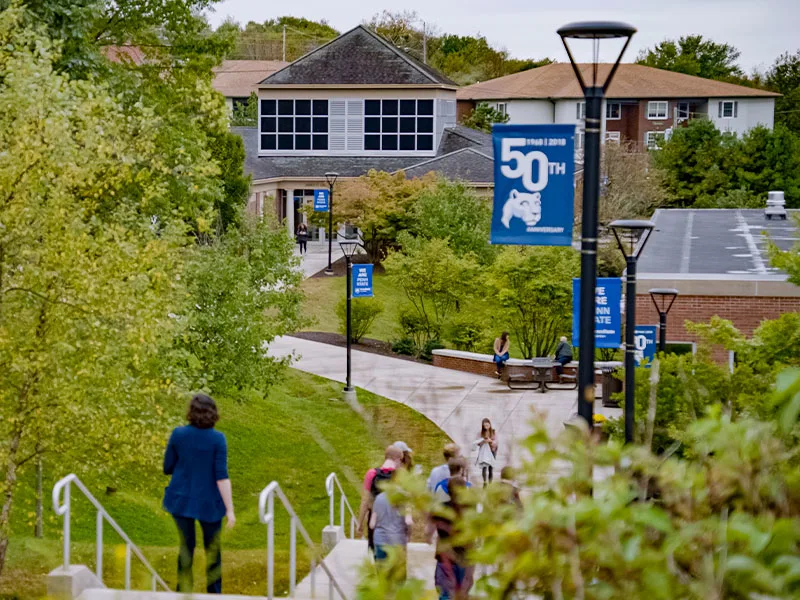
760, 29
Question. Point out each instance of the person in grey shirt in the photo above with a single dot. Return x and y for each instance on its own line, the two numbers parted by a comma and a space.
442, 472
391, 531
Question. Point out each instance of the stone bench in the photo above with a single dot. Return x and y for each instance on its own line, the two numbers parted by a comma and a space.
483, 364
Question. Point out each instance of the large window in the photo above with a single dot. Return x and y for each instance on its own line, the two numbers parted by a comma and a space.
613, 111
657, 109
398, 125
294, 125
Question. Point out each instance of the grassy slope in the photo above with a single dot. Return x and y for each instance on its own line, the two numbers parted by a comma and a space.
297, 435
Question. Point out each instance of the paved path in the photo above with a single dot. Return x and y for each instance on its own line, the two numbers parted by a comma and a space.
455, 401
316, 259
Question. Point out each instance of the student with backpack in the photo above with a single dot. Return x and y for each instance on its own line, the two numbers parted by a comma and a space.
390, 534
373, 481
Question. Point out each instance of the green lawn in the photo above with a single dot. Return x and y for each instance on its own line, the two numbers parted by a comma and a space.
297, 435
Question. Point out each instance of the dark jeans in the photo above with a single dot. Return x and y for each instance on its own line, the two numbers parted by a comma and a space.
211, 542
303, 246
487, 473
452, 580
562, 360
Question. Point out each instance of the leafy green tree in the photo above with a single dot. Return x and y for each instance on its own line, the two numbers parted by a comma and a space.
245, 292
228, 148
784, 77
533, 287
246, 115
769, 160
435, 280
363, 313
483, 116
264, 41
449, 210
694, 55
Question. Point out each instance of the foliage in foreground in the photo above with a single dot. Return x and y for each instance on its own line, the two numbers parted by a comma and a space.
723, 521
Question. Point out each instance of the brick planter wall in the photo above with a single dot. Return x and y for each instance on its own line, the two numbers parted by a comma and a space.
464, 364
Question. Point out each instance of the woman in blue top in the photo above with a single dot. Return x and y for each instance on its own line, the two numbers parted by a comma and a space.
197, 459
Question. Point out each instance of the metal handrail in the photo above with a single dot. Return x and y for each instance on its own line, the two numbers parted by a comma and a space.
64, 511
331, 491
266, 514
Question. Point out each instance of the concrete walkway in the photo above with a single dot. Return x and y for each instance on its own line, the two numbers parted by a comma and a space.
316, 259
455, 401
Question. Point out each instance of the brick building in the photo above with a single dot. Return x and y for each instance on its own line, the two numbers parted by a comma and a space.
718, 261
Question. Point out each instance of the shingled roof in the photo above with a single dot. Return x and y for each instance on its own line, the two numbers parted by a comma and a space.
241, 77
358, 57
631, 81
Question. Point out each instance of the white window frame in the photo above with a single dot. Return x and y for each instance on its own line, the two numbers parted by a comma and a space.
650, 138
615, 137
502, 108
580, 111
655, 112
682, 111
609, 117
580, 139
733, 105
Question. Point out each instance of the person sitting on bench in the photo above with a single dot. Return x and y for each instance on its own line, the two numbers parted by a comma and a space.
563, 356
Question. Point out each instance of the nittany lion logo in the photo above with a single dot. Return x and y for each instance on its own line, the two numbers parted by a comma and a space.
527, 207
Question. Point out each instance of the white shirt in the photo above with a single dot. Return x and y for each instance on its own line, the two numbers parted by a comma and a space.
437, 474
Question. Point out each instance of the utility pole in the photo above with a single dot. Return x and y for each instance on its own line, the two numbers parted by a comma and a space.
424, 43
284, 43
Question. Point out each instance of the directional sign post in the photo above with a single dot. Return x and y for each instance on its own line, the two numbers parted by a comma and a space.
645, 343
534, 184
362, 281
321, 200
607, 316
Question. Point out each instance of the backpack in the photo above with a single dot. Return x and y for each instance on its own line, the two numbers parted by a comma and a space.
380, 477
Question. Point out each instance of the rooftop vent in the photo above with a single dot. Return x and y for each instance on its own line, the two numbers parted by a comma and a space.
776, 206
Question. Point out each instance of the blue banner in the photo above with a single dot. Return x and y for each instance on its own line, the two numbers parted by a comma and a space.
644, 340
362, 281
534, 184
607, 312
321, 200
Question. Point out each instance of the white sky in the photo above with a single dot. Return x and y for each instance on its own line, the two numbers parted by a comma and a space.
760, 29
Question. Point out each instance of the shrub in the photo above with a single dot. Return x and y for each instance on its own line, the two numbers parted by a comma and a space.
405, 346
430, 346
466, 334
414, 327
363, 313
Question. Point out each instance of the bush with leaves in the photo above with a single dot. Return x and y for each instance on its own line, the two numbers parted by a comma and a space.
721, 521
467, 332
533, 286
434, 279
363, 313
246, 114
483, 116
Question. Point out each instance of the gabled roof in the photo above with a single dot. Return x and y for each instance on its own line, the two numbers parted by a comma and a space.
558, 80
467, 164
238, 78
358, 57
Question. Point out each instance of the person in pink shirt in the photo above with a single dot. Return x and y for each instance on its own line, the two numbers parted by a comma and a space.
373, 481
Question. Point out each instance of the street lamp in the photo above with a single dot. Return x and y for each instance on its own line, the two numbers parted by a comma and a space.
349, 248
331, 179
593, 94
631, 237
663, 299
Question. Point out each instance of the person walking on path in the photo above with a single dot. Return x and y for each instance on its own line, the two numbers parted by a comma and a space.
408, 459
442, 472
501, 348
457, 467
374, 478
563, 355
391, 530
199, 490
454, 575
487, 450
302, 237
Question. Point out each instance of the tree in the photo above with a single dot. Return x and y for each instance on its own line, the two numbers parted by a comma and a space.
434, 278
784, 77
631, 191
534, 288
246, 115
363, 313
694, 55
451, 211
245, 292
483, 116
265, 41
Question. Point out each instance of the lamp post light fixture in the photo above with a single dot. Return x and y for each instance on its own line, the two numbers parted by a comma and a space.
349, 248
593, 93
331, 179
663, 299
631, 238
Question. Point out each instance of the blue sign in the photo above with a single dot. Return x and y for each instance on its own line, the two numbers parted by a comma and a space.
644, 341
362, 281
607, 312
534, 184
321, 200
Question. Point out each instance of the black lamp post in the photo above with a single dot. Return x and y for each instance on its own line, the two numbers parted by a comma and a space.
631, 237
331, 179
594, 92
663, 299
349, 248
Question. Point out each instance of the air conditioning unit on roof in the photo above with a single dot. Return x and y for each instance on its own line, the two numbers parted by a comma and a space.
776, 206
